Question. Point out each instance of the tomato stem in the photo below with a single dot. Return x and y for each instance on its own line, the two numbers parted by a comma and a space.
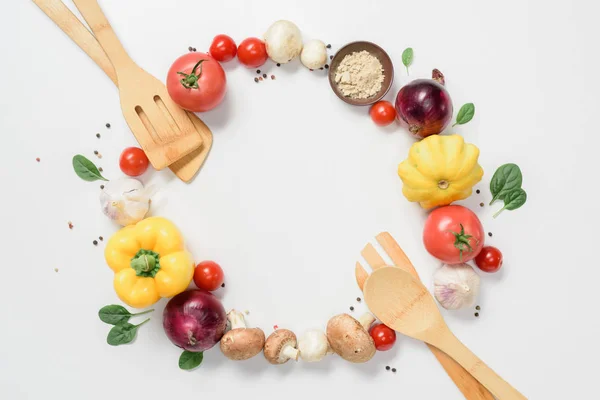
190, 81
461, 241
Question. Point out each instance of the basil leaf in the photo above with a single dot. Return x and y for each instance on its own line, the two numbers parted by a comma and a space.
506, 179
114, 314
189, 360
465, 114
86, 170
407, 57
513, 200
123, 333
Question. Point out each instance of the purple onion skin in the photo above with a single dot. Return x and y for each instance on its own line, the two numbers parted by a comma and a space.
194, 320
424, 106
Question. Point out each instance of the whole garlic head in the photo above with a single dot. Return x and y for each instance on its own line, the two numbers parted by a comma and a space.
313, 345
314, 54
456, 286
125, 201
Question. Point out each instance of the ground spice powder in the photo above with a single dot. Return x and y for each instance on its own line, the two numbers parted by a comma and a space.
359, 75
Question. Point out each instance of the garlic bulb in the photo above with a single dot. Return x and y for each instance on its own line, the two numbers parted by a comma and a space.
283, 41
456, 286
314, 54
125, 200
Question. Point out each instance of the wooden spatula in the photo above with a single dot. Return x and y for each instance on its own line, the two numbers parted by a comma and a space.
469, 386
404, 304
186, 168
164, 130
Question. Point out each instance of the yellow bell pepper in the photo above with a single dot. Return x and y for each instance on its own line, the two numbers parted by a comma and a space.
150, 261
440, 170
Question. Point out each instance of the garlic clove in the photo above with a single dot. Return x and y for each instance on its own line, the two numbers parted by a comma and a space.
125, 200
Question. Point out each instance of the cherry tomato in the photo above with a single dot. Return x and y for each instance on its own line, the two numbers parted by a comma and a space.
489, 259
202, 87
252, 52
453, 234
208, 275
383, 336
133, 161
383, 113
223, 48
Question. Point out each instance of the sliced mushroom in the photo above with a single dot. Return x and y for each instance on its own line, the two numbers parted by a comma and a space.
313, 345
281, 347
241, 343
350, 338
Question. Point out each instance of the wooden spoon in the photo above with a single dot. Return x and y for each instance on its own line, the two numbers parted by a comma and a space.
404, 304
187, 167
469, 386
164, 130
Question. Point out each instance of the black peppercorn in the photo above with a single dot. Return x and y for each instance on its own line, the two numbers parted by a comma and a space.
351, 308
478, 308
490, 234
101, 238
481, 204
98, 135
101, 186
96, 152
477, 314
265, 76
328, 46
331, 57
258, 71
223, 285
279, 65
478, 191
394, 370
190, 48
95, 242
387, 368
326, 66
256, 80
358, 299
107, 125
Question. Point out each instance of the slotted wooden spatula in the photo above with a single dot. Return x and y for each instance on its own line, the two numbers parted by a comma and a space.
187, 167
164, 130
469, 386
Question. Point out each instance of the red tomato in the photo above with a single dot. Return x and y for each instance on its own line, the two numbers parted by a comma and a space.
223, 48
383, 336
208, 275
383, 113
453, 234
133, 161
196, 82
489, 259
252, 52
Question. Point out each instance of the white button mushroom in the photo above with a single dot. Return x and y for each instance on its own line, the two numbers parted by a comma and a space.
313, 345
241, 343
283, 41
281, 347
350, 338
314, 54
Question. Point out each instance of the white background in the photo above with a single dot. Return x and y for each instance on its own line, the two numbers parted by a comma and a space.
297, 182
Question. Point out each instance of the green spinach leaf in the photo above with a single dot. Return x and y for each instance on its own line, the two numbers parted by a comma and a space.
513, 200
407, 57
506, 179
86, 170
465, 114
115, 314
123, 333
189, 360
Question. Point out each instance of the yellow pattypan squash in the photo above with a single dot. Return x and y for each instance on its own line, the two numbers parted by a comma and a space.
150, 261
440, 170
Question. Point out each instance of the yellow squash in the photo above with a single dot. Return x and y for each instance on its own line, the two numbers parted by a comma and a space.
150, 261
440, 170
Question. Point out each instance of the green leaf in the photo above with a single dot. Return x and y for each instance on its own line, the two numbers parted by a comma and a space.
86, 170
407, 57
114, 314
465, 114
123, 333
513, 200
189, 360
506, 179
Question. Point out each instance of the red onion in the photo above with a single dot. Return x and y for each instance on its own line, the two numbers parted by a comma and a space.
424, 105
194, 320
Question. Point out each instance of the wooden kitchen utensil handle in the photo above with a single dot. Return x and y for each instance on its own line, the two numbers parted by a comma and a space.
72, 26
484, 374
90, 10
